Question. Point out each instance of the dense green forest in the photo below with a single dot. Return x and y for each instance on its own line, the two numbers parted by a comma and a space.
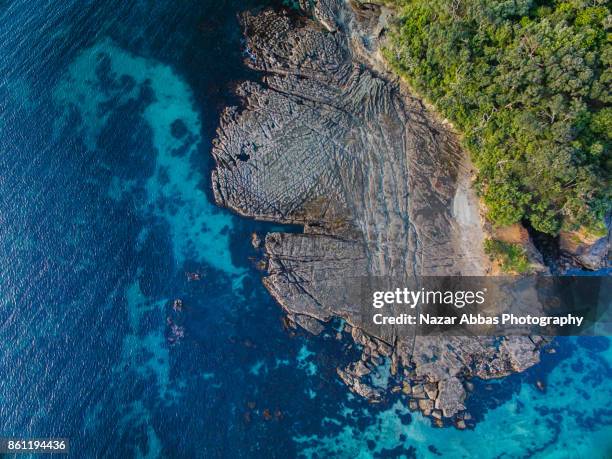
527, 85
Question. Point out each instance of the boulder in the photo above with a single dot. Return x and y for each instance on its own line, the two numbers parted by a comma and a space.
586, 250
426, 406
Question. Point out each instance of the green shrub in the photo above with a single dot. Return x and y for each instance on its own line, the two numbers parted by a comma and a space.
511, 257
527, 83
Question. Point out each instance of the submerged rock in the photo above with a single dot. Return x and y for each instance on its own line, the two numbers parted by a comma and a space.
331, 141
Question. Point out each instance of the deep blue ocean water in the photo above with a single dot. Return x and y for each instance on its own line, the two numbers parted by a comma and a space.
107, 112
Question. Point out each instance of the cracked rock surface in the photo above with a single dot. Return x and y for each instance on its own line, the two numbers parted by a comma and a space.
331, 141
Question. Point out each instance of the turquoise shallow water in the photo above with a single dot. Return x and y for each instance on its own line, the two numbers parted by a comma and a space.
174, 193
107, 114
562, 422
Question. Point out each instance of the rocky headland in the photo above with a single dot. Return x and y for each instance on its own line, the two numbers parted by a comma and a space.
330, 140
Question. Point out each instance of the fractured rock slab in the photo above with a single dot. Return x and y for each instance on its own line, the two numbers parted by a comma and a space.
331, 141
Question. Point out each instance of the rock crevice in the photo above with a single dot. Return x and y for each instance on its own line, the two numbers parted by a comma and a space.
331, 141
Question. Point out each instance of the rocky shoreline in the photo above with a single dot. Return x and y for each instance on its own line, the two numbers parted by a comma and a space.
330, 140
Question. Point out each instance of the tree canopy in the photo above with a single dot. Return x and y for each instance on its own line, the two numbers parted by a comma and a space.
527, 84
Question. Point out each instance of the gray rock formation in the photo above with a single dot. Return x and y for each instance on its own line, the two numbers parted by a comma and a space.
586, 251
331, 141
